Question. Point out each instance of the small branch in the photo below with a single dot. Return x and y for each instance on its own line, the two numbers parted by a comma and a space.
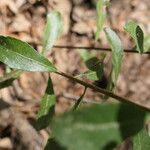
100, 90
95, 48
75, 98
79, 100
104, 49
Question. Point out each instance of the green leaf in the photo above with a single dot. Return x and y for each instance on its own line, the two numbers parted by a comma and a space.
141, 141
101, 17
97, 127
147, 43
19, 55
52, 30
136, 33
94, 65
117, 54
91, 75
46, 111
8, 78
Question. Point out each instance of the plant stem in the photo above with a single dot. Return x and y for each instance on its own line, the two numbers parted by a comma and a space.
100, 90
96, 48
126, 50
75, 98
79, 100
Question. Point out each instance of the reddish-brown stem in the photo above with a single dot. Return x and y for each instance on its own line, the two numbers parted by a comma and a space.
100, 90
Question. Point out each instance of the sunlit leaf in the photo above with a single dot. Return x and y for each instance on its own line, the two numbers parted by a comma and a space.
97, 127
117, 54
52, 30
19, 55
141, 141
46, 111
136, 33
101, 17
8, 78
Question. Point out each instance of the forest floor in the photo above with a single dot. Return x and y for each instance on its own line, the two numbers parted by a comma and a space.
25, 19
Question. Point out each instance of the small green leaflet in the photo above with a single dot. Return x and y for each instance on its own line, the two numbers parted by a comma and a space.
136, 33
8, 78
52, 30
91, 75
117, 53
46, 111
101, 17
95, 127
141, 141
19, 55
94, 65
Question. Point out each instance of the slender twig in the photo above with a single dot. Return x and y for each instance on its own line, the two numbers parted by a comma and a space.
127, 50
79, 100
100, 90
75, 98
95, 48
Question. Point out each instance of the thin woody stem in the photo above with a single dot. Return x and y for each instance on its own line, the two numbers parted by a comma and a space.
91, 48
95, 48
100, 90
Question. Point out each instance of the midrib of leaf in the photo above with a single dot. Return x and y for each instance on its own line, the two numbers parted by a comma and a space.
103, 126
33, 60
93, 127
90, 73
139, 142
47, 103
86, 73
